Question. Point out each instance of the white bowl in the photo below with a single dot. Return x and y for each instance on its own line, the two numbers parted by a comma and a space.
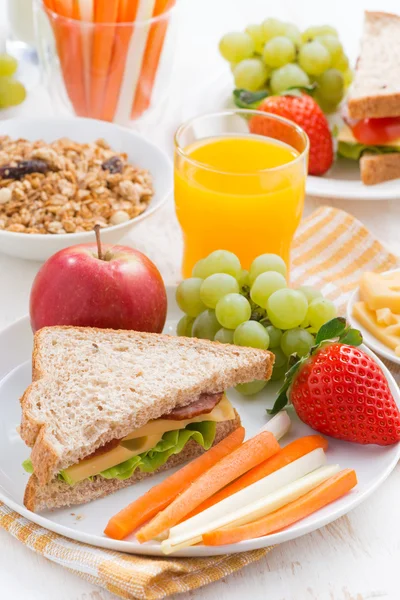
140, 152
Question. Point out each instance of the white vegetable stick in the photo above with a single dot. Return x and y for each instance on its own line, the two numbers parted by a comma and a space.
279, 425
256, 510
222, 511
134, 60
86, 8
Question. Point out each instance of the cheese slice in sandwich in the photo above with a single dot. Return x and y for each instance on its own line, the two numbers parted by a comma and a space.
375, 94
107, 408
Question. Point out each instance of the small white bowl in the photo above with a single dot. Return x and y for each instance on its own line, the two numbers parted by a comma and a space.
140, 152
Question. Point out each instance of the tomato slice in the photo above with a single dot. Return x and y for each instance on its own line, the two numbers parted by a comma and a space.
377, 131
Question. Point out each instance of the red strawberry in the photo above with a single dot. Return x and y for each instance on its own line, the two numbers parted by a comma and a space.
340, 391
304, 111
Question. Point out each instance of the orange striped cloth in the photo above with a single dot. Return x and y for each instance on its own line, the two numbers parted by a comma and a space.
331, 250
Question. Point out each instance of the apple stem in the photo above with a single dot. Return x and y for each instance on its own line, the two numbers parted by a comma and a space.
98, 240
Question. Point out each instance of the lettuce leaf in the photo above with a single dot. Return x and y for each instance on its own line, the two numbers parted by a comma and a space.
172, 442
355, 151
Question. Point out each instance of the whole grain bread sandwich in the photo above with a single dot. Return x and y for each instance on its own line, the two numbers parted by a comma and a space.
372, 132
107, 408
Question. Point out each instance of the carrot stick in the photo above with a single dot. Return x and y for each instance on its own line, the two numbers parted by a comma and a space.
126, 14
329, 491
286, 455
69, 49
105, 13
249, 454
159, 496
154, 46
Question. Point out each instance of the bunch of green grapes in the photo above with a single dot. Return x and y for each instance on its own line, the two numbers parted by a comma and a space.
256, 308
276, 56
12, 92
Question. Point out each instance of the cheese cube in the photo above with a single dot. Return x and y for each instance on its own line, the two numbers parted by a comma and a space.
381, 291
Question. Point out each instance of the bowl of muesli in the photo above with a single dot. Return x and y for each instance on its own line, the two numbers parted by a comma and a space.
61, 177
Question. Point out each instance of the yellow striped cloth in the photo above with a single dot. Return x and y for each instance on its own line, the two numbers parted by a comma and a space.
331, 250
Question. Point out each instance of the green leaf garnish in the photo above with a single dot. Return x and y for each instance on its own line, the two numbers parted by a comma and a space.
246, 99
331, 329
352, 337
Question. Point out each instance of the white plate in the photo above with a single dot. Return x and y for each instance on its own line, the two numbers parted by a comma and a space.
370, 340
342, 181
140, 152
86, 523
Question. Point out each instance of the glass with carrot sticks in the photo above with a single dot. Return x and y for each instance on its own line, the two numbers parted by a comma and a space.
106, 59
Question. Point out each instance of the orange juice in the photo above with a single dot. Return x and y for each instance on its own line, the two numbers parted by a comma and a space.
232, 193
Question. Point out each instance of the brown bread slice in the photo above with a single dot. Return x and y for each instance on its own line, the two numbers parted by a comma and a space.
377, 168
376, 88
57, 494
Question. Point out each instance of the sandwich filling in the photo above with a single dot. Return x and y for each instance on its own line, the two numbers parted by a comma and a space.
375, 136
149, 447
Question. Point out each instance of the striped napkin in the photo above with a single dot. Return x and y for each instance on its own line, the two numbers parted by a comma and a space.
330, 251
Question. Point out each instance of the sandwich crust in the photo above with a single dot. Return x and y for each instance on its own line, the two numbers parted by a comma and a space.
377, 168
58, 493
70, 409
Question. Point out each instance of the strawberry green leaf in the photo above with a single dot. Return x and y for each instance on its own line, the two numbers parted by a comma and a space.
352, 337
279, 404
283, 398
299, 90
246, 99
332, 329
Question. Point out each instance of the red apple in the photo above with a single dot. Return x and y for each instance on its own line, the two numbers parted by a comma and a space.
121, 290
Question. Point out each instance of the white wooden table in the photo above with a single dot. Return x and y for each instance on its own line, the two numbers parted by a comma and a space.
355, 558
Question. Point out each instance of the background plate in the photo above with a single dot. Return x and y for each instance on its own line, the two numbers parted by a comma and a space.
370, 340
86, 523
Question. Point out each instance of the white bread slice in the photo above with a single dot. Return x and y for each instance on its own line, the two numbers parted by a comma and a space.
91, 386
377, 168
58, 493
376, 88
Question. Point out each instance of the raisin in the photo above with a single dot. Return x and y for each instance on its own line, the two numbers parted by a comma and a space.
23, 167
113, 164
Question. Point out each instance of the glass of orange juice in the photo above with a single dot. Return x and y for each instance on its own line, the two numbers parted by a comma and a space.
239, 184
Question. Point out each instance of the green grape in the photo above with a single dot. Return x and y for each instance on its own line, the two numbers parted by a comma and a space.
225, 336
221, 261
265, 285
236, 46
251, 388
273, 28
286, 77
188, 296
312, 32
12, 92
332, 44
205, 326
250, 74
331, 86
8, 65
216, 286
244, 278
251, 333
256, 32
287, 308
314, 58
293, 33
281, 360
278, 373
232, 66
326, 106
278, 52
267, 262
184, 326
275, 336
341, 64
199, 269
232, 310
310, 292
297, 341
305, 323
347, 77
320, 311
